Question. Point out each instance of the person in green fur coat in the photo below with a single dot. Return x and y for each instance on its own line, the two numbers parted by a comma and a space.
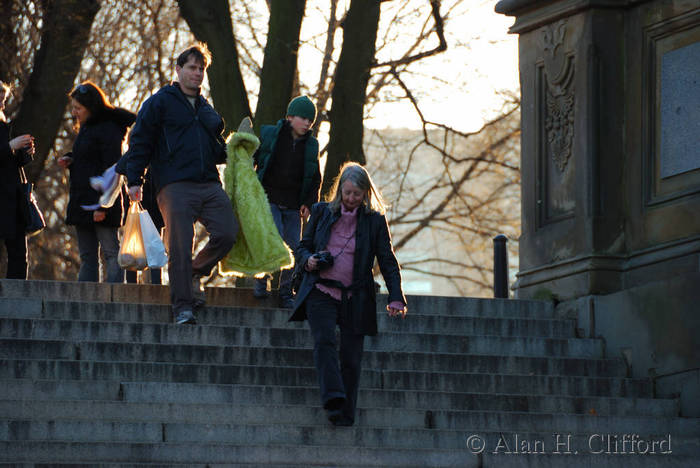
288, 168
259, 248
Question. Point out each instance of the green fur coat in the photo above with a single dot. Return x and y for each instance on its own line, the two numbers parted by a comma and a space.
259, 248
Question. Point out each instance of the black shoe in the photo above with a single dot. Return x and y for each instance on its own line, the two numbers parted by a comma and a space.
343, 422
264, 294
334, 404
334, 416
337, 418
287, 302
185, 317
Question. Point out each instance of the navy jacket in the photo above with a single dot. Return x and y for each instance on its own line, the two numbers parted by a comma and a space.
372, 240
178, 141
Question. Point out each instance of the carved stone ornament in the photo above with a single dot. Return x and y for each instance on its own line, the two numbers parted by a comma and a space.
559, 95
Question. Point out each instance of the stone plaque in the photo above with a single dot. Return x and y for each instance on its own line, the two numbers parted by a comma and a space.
680, 111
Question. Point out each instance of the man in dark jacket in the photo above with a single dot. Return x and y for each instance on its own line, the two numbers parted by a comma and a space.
178, 135
287, 166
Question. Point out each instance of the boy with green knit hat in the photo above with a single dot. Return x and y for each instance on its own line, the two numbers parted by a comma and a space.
287, 166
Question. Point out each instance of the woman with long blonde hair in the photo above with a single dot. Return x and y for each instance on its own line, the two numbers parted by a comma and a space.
337, 252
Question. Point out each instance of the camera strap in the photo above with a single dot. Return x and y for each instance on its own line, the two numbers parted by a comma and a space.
344, 247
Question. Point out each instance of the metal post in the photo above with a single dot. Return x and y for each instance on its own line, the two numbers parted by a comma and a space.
500, 267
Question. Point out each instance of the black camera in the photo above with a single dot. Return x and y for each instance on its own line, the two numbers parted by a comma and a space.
324, 260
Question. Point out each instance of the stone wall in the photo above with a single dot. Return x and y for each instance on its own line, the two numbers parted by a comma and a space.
611, 176
610, 166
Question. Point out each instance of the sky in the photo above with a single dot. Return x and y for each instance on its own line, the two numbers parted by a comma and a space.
481, 60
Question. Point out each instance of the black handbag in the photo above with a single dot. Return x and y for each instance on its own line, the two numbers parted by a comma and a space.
32, 214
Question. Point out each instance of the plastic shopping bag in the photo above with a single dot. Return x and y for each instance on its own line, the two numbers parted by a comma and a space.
109, 184
132, 253
155, 250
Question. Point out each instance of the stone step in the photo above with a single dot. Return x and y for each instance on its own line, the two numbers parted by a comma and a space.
278, 318
175, 465
199, 455
13, 348
406, 418
221, 456
222, 394
255, 455
306, 376
323, 434
242, 297
292, 337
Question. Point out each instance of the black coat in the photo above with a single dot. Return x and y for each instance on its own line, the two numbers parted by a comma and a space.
372, 240
97, 147
10, 188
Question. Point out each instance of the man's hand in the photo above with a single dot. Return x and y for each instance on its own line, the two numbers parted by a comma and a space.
304, 212
135, 193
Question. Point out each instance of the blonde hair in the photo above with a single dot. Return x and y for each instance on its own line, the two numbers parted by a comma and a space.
360, 178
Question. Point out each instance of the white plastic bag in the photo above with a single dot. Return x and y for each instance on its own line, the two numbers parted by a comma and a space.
109, 184
141, 246
155, 250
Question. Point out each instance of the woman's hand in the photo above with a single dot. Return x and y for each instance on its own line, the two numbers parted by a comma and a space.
64, 161
25, 142
311, 263
397, 308
98, 216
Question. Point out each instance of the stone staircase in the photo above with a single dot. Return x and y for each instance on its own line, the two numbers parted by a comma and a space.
95, 374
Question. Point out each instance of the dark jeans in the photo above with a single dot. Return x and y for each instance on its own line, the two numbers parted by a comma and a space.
17, 249
288, 224
338, 372
183, 203
16, 257
94, 240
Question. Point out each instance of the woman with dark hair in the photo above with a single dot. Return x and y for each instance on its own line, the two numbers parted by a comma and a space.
101, 128
14, 153
337, 250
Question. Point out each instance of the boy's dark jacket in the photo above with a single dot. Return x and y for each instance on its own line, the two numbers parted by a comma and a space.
97, 147
311, 184
372, 239
180, 142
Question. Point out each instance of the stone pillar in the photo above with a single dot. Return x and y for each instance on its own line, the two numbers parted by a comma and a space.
610, 143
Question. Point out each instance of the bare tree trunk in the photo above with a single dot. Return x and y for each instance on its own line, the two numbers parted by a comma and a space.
350, 87
8, 43
210, 22
280, 62
323, 90
64, 38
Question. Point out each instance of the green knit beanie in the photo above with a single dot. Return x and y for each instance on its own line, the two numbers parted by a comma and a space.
302, 106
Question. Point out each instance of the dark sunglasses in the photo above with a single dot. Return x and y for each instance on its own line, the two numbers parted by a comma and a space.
83, 89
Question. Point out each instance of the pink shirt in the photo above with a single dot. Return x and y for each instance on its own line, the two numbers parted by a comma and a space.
341, 245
